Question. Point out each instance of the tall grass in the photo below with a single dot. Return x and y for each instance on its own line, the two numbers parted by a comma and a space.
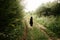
51, 22
36, 34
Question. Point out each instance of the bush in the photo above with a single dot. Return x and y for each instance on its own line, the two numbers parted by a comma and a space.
11, 25
52, 23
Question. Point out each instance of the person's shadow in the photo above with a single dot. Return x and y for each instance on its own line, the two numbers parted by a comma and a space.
31, 21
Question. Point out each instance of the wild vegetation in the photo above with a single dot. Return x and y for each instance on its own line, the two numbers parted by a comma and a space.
11, 25
14, 22
49, 16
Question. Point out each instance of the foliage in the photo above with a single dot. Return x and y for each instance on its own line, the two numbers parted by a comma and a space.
36, 34
51, 8
11, 26
49, 14
52, 23
55, 27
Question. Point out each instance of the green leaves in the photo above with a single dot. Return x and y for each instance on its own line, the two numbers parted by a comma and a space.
51, 8
11, 19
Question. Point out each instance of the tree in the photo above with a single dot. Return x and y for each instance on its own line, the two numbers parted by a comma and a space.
11, 25
51, 8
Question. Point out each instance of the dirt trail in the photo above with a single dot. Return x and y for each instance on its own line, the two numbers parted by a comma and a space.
25, 30
41, 27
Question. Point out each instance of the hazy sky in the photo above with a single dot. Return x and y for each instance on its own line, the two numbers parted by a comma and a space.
31, 5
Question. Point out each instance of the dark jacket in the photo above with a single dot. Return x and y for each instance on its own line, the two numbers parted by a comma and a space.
31, 21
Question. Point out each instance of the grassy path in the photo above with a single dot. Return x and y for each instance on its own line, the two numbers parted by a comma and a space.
48, 33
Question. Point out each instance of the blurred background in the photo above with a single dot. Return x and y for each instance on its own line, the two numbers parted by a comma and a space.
15, 17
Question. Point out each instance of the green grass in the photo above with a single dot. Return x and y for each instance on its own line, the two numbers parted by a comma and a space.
36, 34
52, 23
